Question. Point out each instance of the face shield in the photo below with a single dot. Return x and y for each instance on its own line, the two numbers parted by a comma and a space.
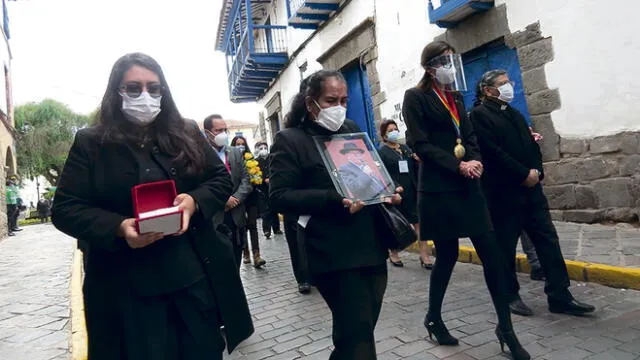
448, 72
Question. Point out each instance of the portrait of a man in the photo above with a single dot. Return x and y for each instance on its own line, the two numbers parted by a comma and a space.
358, 174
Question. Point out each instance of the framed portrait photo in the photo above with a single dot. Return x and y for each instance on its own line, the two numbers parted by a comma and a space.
355, 167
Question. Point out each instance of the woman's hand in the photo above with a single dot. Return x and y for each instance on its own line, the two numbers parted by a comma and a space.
533, 179
187, 205
129, 232
354, 206
471, 169
394, 199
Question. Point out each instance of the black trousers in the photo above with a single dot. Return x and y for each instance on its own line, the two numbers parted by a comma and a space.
355, 299
494, 275
12, 216
181, 325
270, 221
252, 226
236, 237
535, 220
297, 252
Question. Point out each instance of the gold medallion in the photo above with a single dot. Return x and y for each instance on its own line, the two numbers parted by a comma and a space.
459, 149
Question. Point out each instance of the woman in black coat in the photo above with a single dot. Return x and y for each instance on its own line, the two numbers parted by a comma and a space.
400, 162
346, 256
150, 296
451, 203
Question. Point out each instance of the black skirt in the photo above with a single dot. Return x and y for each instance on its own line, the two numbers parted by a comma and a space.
454, 214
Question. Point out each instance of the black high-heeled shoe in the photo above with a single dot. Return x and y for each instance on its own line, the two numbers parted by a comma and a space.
425, 265
437, 329
509, 338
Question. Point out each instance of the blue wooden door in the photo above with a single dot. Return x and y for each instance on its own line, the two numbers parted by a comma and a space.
360, 106
491, 57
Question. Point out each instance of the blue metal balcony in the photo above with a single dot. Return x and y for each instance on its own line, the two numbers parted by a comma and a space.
305, 14
255, 53
451, 12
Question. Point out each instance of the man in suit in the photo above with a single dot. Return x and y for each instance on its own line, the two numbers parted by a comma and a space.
513, 171
233, 218
358, 175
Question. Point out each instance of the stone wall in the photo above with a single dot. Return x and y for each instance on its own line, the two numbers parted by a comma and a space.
595, 180
587, 180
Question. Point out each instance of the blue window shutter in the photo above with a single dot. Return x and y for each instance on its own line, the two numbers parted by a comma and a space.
5, 19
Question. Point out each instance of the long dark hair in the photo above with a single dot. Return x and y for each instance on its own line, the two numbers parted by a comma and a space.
312, 87
432, 50
174, 136
234, 141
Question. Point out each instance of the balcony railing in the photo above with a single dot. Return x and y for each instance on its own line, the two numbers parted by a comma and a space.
451, 12
310, 14
255, 60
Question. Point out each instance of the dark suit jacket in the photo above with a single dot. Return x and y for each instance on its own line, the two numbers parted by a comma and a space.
94, 197
362, 186
241, 187
433, 137
301, 184
508, 150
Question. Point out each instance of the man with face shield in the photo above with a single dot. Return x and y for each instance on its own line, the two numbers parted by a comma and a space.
512, 184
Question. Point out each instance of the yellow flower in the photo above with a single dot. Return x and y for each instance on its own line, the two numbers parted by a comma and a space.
252, 163
252, 171
247, 156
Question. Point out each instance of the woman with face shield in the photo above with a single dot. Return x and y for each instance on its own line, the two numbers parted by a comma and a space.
450, 202
150, 295
346, 257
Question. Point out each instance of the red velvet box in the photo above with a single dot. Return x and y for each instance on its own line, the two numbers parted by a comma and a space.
153, 208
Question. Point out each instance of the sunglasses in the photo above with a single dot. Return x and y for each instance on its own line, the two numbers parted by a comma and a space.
134, 89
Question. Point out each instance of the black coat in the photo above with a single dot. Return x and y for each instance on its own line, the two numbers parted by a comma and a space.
300, 184
409, 180
509, 152
93, 198
450, 204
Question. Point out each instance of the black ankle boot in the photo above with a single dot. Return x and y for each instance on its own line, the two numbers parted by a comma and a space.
509, 338
437, 329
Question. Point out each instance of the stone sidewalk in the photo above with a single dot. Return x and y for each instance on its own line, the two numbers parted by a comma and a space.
616, 245
35, 269
294, 326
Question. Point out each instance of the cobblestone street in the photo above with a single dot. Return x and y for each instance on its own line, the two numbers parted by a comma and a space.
291, 326
34, 311
35, 269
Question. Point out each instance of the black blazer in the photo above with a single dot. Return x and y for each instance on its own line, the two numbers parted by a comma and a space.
300, 184
433, 137
94, 196
508, 149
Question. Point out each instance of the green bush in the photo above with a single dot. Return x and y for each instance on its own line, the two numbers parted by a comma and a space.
28, 222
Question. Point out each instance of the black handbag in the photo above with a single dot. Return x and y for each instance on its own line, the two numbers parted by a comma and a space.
395, 229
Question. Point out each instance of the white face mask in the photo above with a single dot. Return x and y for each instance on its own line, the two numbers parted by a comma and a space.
445, 75
262, 152
221, 139
142, 110
506, 92
241, 147
331, 118
393, 136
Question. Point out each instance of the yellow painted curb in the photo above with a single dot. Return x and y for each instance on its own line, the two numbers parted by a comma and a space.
613, 276
78, 326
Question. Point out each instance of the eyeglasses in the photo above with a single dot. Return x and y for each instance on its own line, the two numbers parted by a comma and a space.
135, 89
